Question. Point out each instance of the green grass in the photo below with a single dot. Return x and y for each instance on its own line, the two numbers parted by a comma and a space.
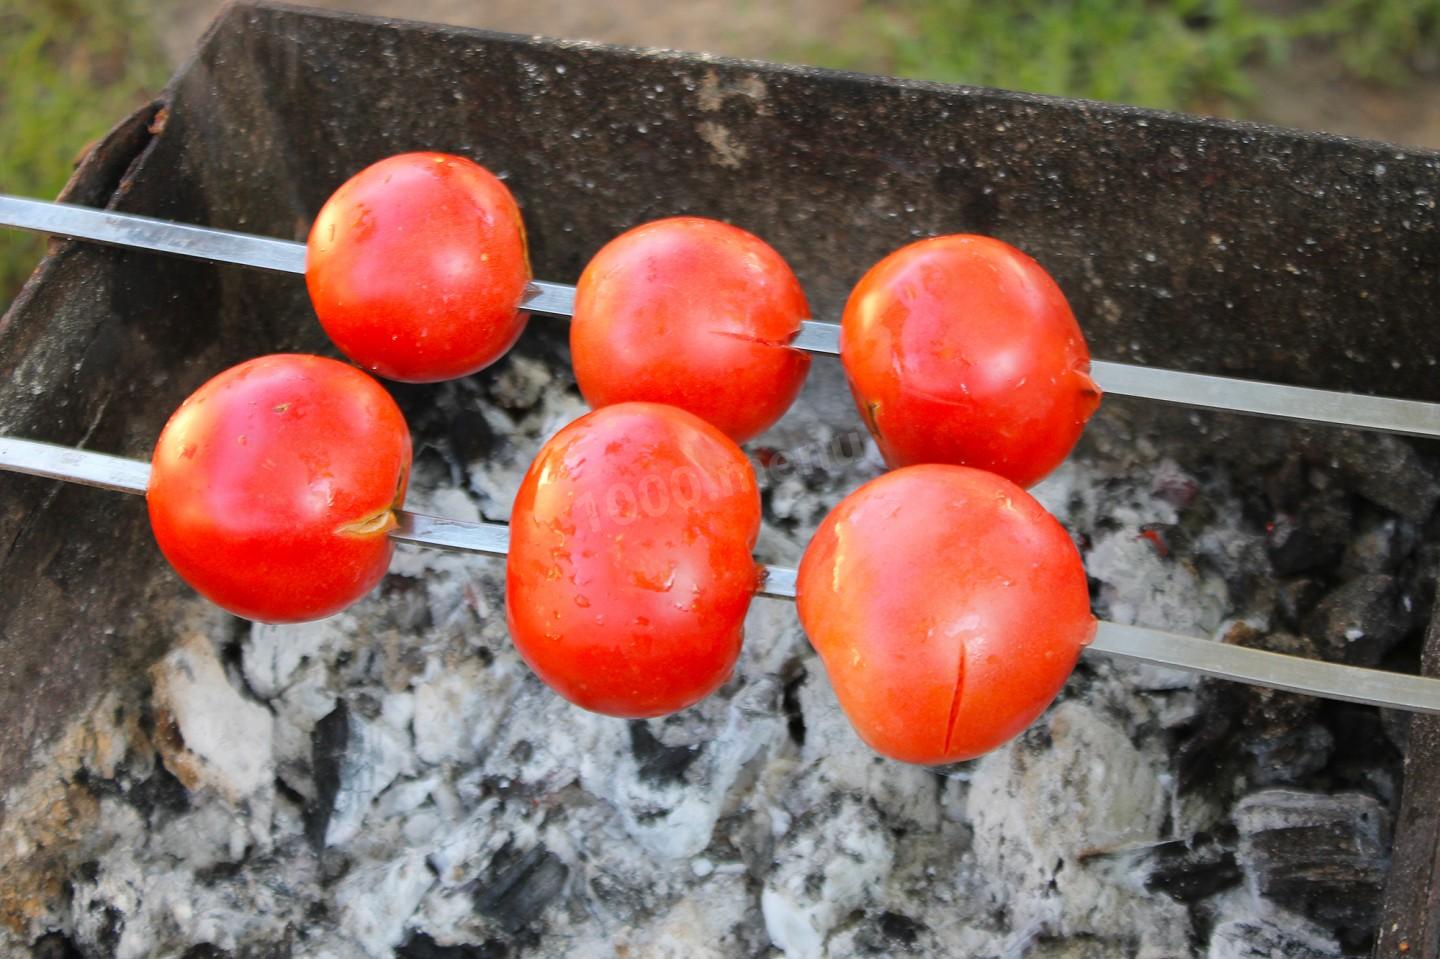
71, 70
1159, 53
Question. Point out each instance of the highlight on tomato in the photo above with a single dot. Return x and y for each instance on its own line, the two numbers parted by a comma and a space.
694, 313
629, 571
417, 267
961, 349
948, 607
273, 487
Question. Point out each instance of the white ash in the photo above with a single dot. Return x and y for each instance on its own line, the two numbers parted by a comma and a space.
394, 781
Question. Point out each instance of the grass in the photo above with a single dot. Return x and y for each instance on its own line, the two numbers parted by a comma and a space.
72, 69
1171, 54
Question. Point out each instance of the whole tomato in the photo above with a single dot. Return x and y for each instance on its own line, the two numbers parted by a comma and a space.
948, 607
629, 571
961, 349
417, 265
273, 487
694, 313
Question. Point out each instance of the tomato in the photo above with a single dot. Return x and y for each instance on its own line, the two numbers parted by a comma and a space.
417, 266
948, 608
694, 313
630, 571
273, 487
961, 349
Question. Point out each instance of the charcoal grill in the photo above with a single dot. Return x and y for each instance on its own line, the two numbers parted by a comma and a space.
1188, 244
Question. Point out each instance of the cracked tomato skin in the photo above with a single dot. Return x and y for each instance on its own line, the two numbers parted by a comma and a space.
948, 606
694, 313
629, 571
273, 486
417, 266
961, 349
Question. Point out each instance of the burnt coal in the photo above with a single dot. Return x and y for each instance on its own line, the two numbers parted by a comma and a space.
355, 756
520, 887
888, 934
423, 946
657, 762
1382, 545
1194, 869
54, 945
1361, 620
1296, 599
1323, 857
1312, 538
1384, 469
1270, 939
329, 741
1270, 736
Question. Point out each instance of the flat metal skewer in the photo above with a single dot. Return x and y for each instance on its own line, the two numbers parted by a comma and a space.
1406, 417
1134, 643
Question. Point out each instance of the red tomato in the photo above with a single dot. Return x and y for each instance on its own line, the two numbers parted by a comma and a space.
694, 313
272, 488
961, 349
417, 266
629, 571
948, 607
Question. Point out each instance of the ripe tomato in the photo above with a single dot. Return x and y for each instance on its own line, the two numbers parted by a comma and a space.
272, 488
629, 571
948, 607
694, 313
961, 349
417, 266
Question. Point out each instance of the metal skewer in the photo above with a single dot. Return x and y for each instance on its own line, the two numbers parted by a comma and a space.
1407, 417
1134, 643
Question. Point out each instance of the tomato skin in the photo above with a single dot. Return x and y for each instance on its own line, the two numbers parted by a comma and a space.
417, 265
271, 487
694, 313
961, 349
948, 608
629, 571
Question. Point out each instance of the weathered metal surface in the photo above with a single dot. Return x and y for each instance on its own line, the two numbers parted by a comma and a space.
1410, 914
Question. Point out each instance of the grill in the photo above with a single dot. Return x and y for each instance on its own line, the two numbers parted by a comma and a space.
1186, 244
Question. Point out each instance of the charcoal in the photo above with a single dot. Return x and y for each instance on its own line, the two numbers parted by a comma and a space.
1287, 486
1283, 754
1321, 856
470, 435
1272, 736
1312, 538
1360, 621
329, 743
55, 945
828, 866
516, 893
1269, 939
423, 946
1384, 469
657, 762
354, 759
1380, 546
1297, 598
1190, 870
